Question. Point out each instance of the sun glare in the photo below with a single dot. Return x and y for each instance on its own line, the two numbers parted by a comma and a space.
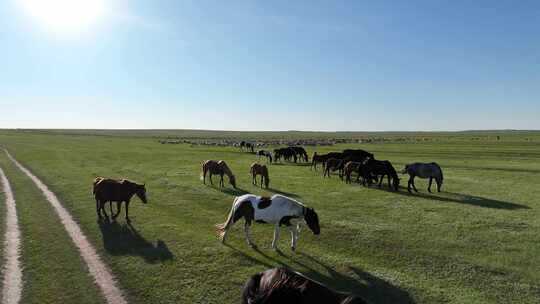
65, 15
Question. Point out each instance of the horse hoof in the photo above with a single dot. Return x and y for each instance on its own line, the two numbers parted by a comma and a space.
293, 249
128, 221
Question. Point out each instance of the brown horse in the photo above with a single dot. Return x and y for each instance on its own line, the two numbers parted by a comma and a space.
262, 170
111, 190
220, 168
281, 285
351, 167
318, 159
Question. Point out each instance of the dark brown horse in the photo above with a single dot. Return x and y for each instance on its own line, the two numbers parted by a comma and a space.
262, 170
333, 164
281, 285
111, 190
380, 168
220, 168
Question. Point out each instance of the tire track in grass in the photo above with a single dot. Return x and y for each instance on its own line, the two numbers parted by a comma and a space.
99, 271
12, 281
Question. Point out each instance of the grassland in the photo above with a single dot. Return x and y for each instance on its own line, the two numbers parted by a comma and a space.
476, 242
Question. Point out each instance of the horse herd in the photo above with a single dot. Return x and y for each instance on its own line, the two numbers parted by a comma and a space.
278, 285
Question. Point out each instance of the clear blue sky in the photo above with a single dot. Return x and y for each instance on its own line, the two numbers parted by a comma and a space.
273, 65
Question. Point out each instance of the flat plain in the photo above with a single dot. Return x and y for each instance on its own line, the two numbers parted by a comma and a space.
475, 242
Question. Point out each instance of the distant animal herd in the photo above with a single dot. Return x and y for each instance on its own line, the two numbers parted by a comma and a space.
279, 285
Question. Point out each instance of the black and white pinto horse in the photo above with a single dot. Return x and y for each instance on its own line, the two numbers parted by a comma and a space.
424, 170
282, 285
266, 154
278, 210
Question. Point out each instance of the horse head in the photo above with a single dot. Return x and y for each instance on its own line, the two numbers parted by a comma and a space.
232, 180
140, 191
405, 170
312, 220
395, 182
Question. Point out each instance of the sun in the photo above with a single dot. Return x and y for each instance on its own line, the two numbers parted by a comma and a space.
65, 15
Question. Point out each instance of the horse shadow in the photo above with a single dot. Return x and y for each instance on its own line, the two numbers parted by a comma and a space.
459, 198
289, 194
233, 191
291, 164
126, 240
364, 284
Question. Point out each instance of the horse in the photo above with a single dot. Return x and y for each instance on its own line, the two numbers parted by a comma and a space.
354, 157
250, 147
380, 168
278, 210
300, 152
424, 170
332, 164
262, 170
220, 168
111, 190
351, 167
266, 154
282, 285
317, 159
358, 154
286, 153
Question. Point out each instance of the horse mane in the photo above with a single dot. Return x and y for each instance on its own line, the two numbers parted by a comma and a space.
225, 168
291, 199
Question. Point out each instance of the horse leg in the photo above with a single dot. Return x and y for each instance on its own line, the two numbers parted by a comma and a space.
380, 181
97, 208
204, 176
294, 235
409, 184
276, 237
413, 185
211, 181
127, 212
102, 208
439, 184
262, 177
247, 226
429, 187
110, 208
118, 208
389, 184
221, 182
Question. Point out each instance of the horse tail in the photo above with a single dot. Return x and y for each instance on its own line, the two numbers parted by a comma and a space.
221, 228
96, 182
251, 289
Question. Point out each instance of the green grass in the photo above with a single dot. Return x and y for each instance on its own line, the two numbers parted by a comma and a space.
476, 242
53, 272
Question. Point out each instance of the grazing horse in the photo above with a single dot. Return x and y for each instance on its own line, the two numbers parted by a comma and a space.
380, 168
285, 153
423, 170
317, 159
332, 164
262, 170
300, 152
277, 210
220, 168
351, 167
266, 154
111, 190
250, 147
281, 285
358, 154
